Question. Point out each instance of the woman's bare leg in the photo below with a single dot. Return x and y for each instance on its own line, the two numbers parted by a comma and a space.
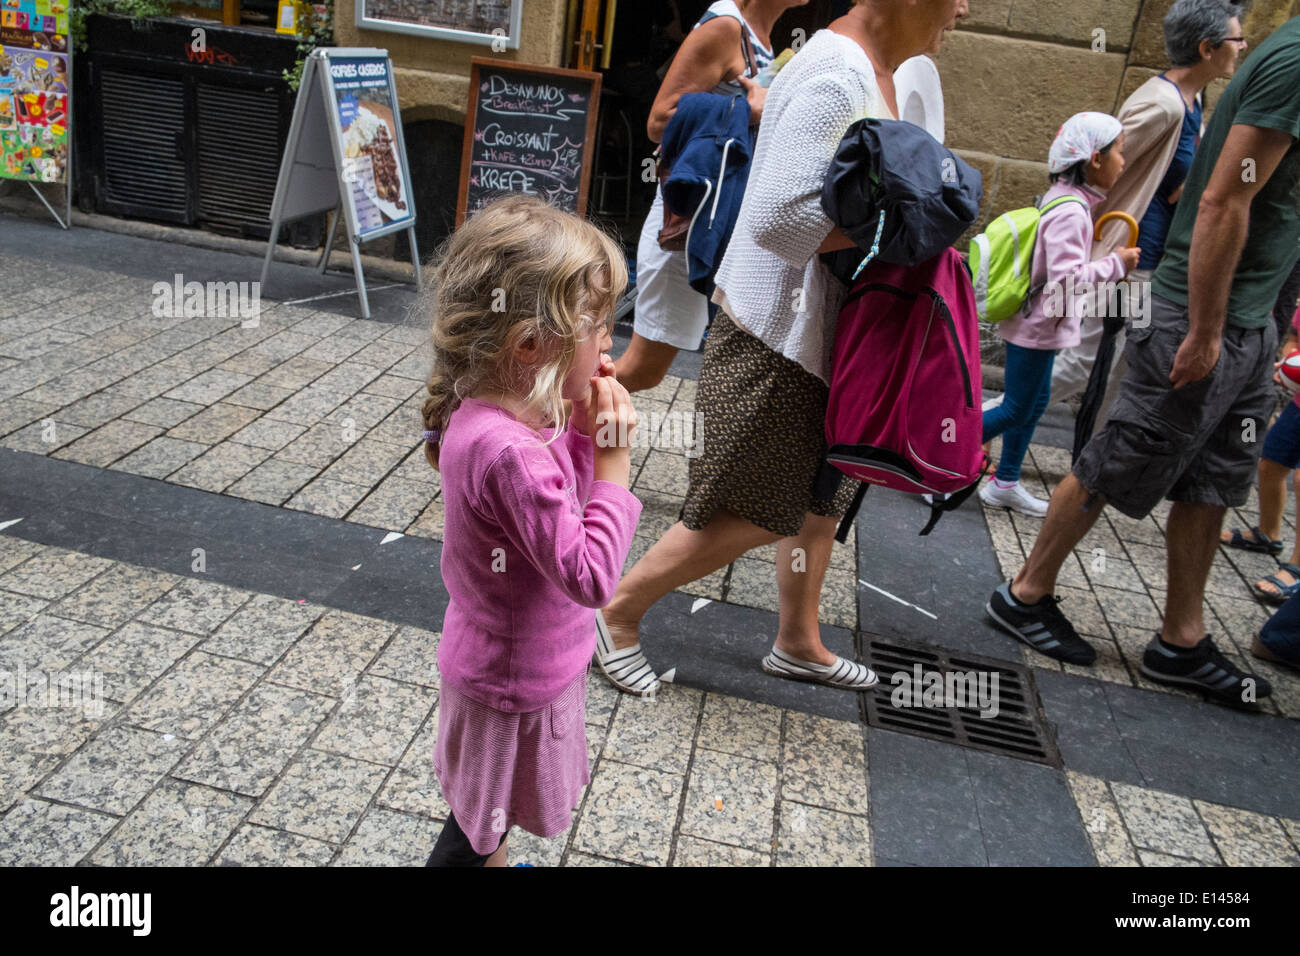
644, 364
498, 857
1284, 576
679, 557
1272, 497
801, 564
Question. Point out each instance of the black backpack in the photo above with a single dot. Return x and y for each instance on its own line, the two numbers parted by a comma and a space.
899, 194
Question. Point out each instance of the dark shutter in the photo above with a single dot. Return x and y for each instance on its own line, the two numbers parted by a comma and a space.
143, 130
238, 154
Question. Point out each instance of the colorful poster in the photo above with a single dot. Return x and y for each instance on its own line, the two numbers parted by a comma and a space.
48, 18
34, 92
364, 98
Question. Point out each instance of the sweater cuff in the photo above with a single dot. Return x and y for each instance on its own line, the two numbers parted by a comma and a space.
616, 494
1121, 272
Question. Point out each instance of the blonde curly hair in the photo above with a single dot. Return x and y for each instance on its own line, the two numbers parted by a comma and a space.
519, 270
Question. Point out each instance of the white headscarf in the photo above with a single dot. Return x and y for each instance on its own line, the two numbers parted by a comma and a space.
1082, 135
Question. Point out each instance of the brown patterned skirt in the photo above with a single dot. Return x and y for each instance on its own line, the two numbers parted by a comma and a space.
764, 424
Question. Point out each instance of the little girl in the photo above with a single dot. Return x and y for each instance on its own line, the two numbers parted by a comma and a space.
1086, 158
539, 519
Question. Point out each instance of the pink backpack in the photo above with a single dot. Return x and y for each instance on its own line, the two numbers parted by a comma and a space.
905, 399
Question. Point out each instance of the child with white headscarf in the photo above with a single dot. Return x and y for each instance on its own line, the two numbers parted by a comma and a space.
1085, 160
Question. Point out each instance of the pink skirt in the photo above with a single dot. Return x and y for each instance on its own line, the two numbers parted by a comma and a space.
500, 770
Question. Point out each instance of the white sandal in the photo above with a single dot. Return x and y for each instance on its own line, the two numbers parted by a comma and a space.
626, 668
843, 674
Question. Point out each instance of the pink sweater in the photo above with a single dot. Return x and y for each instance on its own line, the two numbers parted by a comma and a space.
531, 544
1063, 250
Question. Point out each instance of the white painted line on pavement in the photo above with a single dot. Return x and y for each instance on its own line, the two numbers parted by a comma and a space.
335, 295
895, 597
392, 536
12, 521
699, 603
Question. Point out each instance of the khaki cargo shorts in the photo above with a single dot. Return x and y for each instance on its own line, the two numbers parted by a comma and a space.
1198, 444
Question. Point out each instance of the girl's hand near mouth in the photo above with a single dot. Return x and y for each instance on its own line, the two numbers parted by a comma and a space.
581, 417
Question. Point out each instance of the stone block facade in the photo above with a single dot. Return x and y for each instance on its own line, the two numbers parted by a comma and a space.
1017, 69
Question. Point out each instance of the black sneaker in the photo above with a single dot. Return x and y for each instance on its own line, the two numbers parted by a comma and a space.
1205, 669
1041, 625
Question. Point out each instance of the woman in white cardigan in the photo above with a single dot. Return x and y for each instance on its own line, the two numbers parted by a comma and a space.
763, 383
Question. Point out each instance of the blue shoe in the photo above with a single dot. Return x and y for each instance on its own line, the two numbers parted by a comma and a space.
1284, 591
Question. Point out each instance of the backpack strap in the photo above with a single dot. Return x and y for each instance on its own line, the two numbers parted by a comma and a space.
940, 507
951, 503
842, 533
1060, 201
747, 50
1043, 211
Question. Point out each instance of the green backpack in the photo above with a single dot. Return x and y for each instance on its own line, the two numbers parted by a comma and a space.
1002, 257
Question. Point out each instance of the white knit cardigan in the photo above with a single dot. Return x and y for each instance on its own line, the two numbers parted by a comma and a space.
771, 282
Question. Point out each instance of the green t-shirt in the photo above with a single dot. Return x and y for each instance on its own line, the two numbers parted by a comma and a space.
1264, 93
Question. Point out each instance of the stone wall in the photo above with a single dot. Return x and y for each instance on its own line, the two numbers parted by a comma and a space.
1017, 69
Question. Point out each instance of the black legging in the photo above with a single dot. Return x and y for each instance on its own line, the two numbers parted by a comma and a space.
453, 847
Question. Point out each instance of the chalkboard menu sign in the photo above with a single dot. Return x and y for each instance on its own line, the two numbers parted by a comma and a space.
532, 129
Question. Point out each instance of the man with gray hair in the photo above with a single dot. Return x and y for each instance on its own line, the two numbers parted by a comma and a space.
1190, 414
1190, 23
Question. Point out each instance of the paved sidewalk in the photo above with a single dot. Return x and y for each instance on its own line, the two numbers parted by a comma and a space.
311, 410
244, 729
247, 729
1114, 586
238, 529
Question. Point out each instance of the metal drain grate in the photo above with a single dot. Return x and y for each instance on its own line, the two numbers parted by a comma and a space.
1017, 729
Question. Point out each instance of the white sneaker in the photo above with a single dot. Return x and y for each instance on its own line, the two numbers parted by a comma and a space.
1016, 498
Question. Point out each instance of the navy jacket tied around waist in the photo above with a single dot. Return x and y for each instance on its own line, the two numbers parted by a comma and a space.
706, 147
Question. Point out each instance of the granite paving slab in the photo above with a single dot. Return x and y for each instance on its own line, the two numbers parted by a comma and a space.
262, 846
178, 824
134, 656
41, 833
814, 836
320, 795
192, 696
255, 741
115, 770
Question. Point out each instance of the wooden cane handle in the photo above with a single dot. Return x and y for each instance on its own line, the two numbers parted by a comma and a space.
1124, 217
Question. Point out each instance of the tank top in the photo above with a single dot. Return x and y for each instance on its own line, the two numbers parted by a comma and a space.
762, 55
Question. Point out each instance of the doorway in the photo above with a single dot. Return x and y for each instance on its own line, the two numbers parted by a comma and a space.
631, 43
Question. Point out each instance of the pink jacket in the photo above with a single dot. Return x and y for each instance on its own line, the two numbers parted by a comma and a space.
1062, 262
532, 543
